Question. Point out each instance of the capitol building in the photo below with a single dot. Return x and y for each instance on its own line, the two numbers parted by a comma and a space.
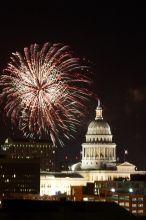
98, 162
98, 152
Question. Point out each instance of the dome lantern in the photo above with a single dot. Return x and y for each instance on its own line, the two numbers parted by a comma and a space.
98, 111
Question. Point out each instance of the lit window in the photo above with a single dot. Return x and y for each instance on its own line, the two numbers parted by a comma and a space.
140, 198
140, 211
140, 205
85, 199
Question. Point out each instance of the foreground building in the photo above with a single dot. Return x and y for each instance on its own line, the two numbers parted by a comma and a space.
128, 194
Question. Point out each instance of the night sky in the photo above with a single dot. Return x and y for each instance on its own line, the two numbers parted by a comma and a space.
114, 41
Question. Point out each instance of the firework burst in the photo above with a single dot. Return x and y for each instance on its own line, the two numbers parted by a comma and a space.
45, 90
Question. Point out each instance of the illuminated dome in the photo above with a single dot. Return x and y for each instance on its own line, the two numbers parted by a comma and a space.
98, 127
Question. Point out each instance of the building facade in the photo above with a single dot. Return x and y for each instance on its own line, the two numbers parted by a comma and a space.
43, 151
59, 183
19, 176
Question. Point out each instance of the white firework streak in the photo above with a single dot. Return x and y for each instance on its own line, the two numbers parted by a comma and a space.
45, 91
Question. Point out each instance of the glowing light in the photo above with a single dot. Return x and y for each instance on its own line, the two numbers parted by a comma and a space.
113, 190
130, 190
44, 91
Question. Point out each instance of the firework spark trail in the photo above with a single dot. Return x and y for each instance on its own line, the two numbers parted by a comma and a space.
45, 90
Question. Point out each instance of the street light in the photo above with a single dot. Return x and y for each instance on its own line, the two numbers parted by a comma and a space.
130, 190
112, 194
113, 190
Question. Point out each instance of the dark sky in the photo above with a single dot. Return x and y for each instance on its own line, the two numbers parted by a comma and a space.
114, 40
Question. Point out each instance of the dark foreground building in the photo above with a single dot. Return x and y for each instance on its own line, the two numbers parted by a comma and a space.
19, 176
128, 194
25, 209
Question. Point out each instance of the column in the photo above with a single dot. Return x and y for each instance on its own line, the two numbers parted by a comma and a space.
99, 153
114, 153
86, 152
104, 153
110, 153
94, 152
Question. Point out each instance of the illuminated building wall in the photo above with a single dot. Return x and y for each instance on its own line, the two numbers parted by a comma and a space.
58, 183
